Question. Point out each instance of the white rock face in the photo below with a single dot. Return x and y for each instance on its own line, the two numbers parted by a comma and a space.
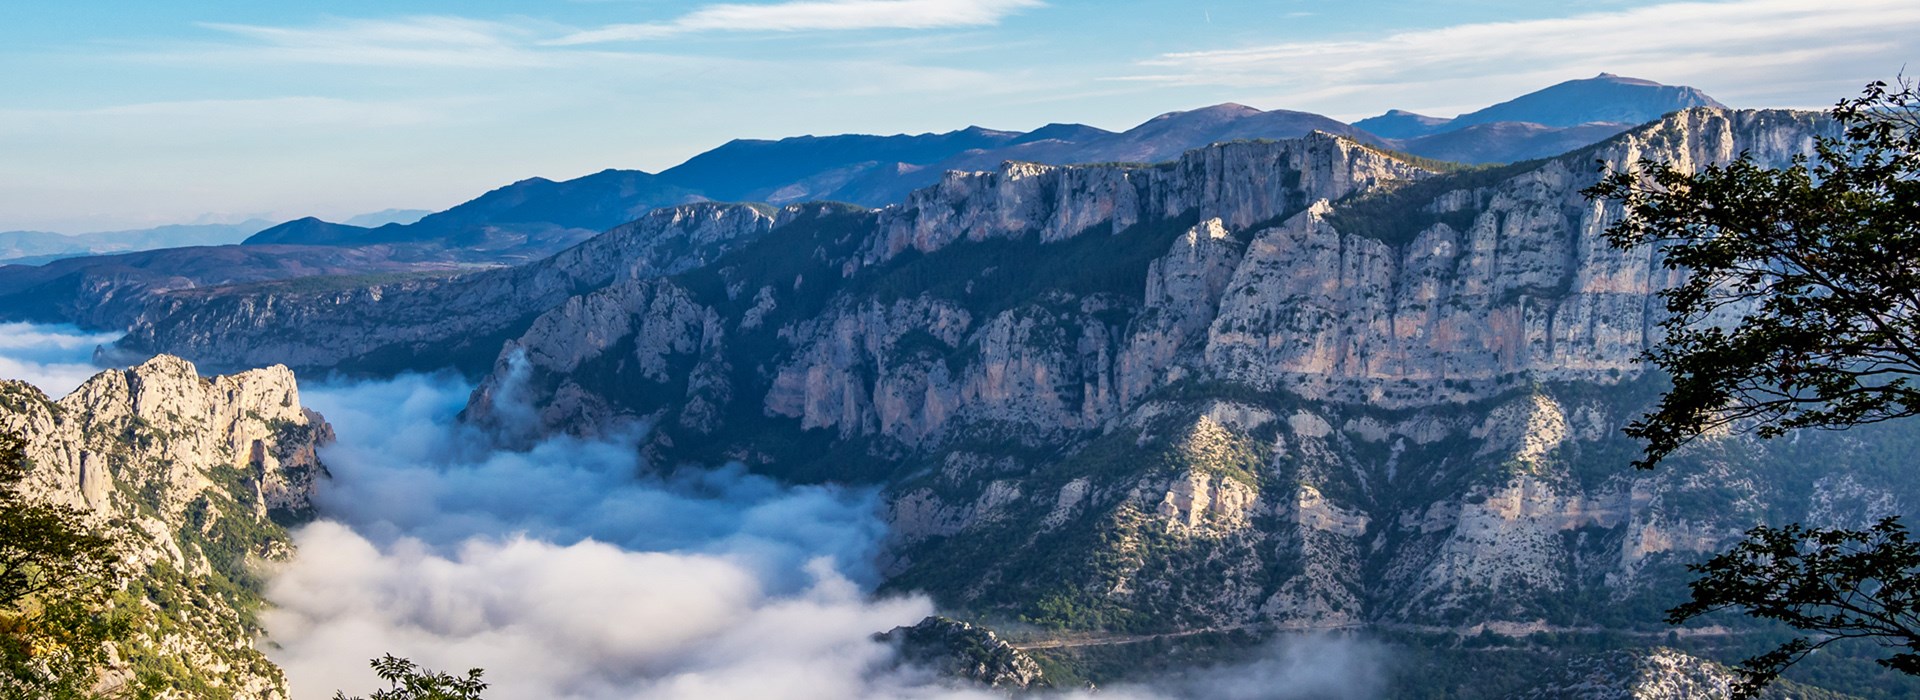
160, 447
1240, 183
432, 321
1217, 365
1652, 674
1282, 385
1529, 291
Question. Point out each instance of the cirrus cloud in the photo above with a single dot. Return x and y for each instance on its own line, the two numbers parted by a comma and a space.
1763, 52
814, 15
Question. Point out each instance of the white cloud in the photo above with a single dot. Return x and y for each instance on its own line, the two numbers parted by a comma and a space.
568, 572
815, 15
428, 41
54, 358
1738, 50
587, 620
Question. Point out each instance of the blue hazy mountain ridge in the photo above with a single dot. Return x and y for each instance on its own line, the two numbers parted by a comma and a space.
35, 247
537, 217
1160, 139
40, 247
540, 215
1509, 142
1062, 132
387, 216
1402, 124
107, 291
867, 170
740, 170
752, 169
1605, 98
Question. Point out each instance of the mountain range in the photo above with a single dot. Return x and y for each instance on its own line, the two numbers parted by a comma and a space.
534, 218
39, 247
1602, 99
1299, 384
875, 171
1136, 398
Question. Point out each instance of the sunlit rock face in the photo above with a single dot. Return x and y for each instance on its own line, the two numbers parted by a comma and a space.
1649, 674
427, 322
196, 477
1304, 384
1298, 383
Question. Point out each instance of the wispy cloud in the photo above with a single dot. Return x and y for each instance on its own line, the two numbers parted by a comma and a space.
814, 15
1741, 42
410, 41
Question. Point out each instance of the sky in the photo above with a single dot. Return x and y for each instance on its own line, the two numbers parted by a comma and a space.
122, 115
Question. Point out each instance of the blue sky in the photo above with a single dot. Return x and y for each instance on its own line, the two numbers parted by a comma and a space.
118, 114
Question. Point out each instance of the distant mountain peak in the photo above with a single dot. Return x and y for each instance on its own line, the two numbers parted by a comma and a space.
309, 230
1607, 98
1224, 109
1402, 124
1622, 79
1056, 131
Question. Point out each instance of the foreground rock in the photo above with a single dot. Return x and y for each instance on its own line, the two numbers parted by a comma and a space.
206, 473
1655, 674
966, 652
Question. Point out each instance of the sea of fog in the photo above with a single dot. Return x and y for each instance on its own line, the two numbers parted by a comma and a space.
570, 570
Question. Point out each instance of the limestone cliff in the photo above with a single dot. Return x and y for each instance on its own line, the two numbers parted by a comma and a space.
1347, 390
966, 653
1654, 674
1271, 385
199, 476
424, 322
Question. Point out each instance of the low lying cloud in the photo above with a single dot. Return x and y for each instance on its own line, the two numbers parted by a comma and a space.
566, 572
585, 620
571, 571
54, 358
1312, 667
814, 15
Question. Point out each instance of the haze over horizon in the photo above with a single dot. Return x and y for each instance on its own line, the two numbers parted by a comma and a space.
198, 110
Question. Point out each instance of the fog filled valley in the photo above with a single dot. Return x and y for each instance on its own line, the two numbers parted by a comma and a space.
1295, 418
699, 350
572, 570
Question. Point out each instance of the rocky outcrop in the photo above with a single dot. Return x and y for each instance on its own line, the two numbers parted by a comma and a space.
201, 474
1511, 282
1347, 390
1240, 183
967, 653
1299, 384
1286, 279
1654, 674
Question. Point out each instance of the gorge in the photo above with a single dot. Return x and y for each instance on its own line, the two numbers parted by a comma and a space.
1164, 429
